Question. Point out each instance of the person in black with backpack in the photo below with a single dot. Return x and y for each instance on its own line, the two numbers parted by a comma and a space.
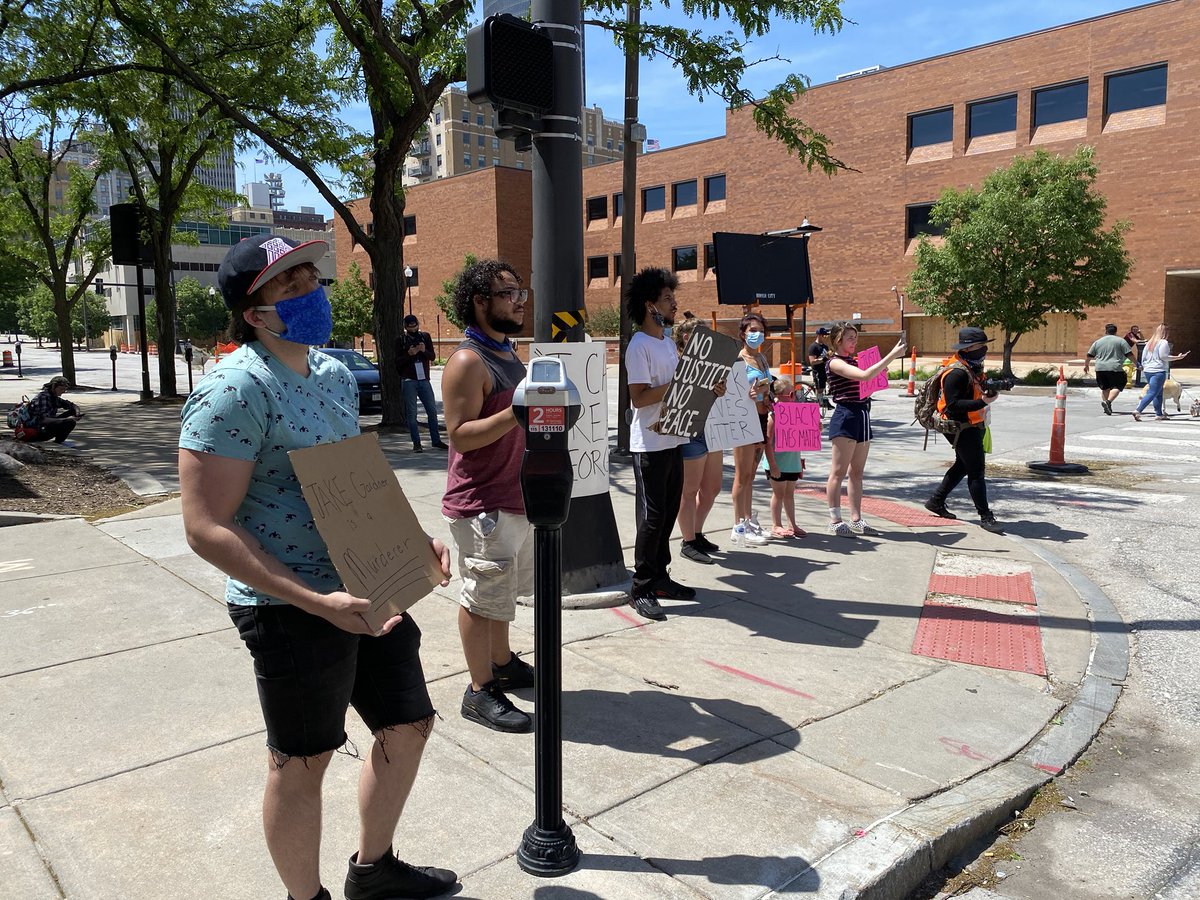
964, 399
52, 416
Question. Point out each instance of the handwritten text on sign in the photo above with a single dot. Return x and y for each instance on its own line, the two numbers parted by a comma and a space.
733, 420
588, 440
866, 359
706, 361
375, 541
797, 427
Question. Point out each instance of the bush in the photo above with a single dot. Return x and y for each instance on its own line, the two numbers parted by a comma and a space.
923, 374
1042, 377
604, 321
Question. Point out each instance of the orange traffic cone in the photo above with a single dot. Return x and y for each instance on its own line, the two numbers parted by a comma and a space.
1057, 464
912, 376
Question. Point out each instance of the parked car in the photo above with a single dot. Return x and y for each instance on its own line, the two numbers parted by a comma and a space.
365, 372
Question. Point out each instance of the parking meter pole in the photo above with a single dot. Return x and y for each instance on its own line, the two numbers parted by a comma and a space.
147, 394
546, 405
20, 374
187, 358
112, 355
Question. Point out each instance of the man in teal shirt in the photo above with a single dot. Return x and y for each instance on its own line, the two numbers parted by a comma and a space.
1110, 353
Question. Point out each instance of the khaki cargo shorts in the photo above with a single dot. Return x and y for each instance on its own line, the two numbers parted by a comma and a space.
495, 562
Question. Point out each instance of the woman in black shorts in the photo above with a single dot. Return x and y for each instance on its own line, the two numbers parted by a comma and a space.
849, 426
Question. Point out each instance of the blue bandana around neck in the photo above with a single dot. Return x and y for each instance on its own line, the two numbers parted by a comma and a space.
479, 337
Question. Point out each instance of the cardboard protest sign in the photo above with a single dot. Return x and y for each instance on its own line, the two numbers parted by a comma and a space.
588, 370
866, 359
374, 539
706, 361
733, 420
797, 427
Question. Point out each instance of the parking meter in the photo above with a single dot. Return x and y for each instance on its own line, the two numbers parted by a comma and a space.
112, 355
546, 405
20, 374
187, 358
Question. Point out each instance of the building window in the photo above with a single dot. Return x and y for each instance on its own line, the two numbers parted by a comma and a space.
466, 117
654, 198
714, 188
467, 138
437, 118
918, 223
479, 120
683, 259
481, 141
618, 206
591, 140
608, 145
616, 265
370, 228
683, 193
710, 257
493, 121
520, 165
439, 161
597, 209
482, 162
992, 117
1060, 104
597, 268
410, 224
1135, 90
930, 128
495, 160
495, 143
437, 139
467, 160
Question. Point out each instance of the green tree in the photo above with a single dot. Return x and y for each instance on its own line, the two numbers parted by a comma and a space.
353, 314
445, 300
1031, 241
49, 214
15, 282
36, 315
201, 317
98, 319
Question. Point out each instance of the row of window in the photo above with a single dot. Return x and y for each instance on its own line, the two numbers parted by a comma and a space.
466, 136
683, 259
411, 279
683, 194
1123, 91
410, 226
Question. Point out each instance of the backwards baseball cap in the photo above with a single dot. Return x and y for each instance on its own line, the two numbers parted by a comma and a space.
255, 261
822, 331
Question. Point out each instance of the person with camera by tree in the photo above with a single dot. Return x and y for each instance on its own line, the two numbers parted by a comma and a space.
414, 355
964, 397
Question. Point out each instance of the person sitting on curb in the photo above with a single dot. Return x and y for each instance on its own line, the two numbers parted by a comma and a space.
52, 416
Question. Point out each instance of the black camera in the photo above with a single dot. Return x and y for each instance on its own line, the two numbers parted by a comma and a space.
996, 385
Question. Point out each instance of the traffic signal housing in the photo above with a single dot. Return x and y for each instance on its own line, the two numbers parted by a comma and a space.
510, 63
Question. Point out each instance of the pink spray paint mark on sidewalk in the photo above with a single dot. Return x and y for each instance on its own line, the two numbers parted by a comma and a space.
757, 680
621, 614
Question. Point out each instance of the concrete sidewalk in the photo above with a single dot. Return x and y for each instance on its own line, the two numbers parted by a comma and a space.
796, 730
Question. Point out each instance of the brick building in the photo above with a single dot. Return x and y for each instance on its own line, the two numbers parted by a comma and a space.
1127, 83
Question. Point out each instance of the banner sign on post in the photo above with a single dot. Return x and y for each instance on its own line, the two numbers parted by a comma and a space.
733, 420
588, 443
797, 427
866, 359
374, 539
706, 361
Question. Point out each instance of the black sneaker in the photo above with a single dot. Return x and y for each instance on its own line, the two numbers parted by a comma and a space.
938, 508
1106, 405
324, 895
689, 550
673, 590
703, 543
647, 607
389, 879
491, 709
514, 674
441, 445
989, 523
417, 448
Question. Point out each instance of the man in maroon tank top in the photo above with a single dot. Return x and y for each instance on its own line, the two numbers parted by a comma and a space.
483, 503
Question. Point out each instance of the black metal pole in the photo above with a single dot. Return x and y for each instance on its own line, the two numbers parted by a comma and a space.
143, 343
20, 374
629, 201
187, 358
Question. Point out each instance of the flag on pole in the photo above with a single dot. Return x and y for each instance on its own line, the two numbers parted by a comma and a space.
261, 162
651, 144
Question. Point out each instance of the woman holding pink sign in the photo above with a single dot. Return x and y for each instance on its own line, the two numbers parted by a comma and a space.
850, 425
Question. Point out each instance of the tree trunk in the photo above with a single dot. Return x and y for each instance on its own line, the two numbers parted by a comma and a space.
387, 208
1010, 341
62, 318
164, 304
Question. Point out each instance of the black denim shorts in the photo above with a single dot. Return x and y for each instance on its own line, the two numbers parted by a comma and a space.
310, 672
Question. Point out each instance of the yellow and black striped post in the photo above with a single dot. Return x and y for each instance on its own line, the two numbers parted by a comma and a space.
562, 322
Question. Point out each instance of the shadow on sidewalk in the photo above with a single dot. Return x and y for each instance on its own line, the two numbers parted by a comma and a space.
734, 869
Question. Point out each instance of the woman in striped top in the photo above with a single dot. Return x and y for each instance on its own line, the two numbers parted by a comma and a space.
849, 426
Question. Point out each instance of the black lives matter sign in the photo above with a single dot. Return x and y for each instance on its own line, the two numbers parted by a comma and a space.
706, 362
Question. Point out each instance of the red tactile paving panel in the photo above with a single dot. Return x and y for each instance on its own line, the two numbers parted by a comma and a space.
1009, 588
981, 638
894, 512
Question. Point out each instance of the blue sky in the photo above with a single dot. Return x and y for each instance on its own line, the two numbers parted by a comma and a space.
880, 33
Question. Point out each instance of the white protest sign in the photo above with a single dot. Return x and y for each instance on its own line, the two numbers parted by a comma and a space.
733, 420
587, 367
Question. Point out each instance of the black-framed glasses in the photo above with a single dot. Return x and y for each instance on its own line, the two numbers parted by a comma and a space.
512, 295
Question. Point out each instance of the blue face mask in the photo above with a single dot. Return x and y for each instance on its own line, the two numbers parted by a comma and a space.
754, 339
307, 319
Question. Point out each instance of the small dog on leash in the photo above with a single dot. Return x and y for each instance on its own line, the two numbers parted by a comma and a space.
1172, 391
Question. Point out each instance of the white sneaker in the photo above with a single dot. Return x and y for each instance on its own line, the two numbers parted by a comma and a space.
755, 538
841, 529
859, 526
752, 525
737, 535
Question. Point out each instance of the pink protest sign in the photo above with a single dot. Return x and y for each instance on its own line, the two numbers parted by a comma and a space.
866, 359
797, 427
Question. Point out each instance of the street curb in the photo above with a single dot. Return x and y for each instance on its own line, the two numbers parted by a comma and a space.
24, 518
899, 852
